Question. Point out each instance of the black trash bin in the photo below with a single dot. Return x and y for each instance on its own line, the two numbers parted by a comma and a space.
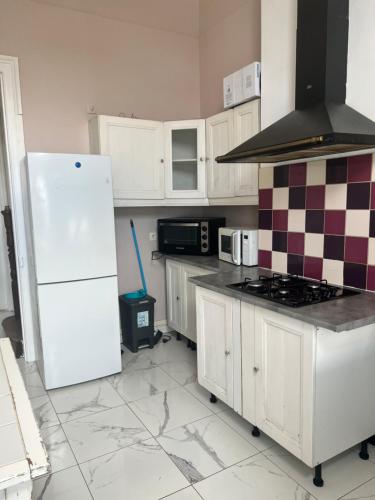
137, 322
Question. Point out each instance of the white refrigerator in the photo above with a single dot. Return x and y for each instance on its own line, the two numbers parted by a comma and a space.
72, 220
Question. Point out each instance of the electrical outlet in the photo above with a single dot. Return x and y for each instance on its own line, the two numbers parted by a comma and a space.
152, 236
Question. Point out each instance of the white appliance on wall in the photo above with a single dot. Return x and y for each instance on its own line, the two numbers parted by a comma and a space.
242, 85
238, 245
72, 218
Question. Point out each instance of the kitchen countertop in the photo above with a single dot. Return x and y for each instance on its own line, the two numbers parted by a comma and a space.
338, 315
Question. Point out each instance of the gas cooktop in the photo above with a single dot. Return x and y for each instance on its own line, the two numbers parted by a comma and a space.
292, 291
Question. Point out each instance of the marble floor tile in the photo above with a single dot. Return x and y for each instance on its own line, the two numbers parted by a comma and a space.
204, 397
205, 447
139, 384
44, 412
364, 492
104, 432
185, 372
132, 361
67, 484
84, 399
171, 351
31, 378
253, 479
169, 410
186, 494
139, 472
244, 428
60, 454
341, 474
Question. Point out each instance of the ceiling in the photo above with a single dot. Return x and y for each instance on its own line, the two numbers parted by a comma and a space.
189, 17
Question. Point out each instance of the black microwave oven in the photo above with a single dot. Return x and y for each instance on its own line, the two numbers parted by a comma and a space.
189, 236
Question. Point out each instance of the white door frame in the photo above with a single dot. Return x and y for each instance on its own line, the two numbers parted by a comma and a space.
15, 150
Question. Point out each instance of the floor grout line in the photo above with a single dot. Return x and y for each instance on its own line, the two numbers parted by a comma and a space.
356, 488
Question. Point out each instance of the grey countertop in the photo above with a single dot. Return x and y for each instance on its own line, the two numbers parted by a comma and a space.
338, 315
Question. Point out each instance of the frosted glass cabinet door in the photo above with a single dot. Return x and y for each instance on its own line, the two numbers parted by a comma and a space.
184, 144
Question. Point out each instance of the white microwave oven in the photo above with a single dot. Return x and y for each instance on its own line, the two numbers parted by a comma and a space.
238, 245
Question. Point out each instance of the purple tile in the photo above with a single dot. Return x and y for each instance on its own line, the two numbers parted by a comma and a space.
336, 171
334, 221
315, 196
265, 198
280, 220
281, 176
314, 221
356, 249
333, 247
355, 275
372, 205
279, 241
313, 268
265, 219
371, 278
295, 264
358, 196
297, 174
297, 197
372, 224
359, 168
296, 243
265, 259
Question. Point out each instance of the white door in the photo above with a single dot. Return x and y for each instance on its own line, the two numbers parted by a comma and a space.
219, 140
137, 151
218, 343
80, 331
72, 216
184, 145
189, 320
246, 124
284, 380
174, 308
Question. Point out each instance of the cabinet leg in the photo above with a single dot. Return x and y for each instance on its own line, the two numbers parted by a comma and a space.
188, 345
371, 440
193, 346
318, 481
178, 336
213, 398
363, 454
255, 432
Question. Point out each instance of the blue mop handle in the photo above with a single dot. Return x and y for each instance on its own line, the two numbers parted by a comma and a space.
138, 256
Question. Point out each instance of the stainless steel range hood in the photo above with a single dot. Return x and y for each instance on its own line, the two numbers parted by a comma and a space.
322, 124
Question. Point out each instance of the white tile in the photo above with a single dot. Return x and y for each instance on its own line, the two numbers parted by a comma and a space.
364, 492
357, 223
253, 479
186, 494
140, 472
265, 239
371, 251
11, 448
84, 399
59, 452
104, 432
32, 379
139, 384
132, 361
171, 351
280, 198
335, 196
297, 221
340, 474
333, 271
64, 485
184, 372
316, 173
265, 177
244, 428
169, 410
279, 262
205, 447
44, 412
314, 245
204, 397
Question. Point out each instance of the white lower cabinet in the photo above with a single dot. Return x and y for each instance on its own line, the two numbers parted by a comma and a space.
181, 315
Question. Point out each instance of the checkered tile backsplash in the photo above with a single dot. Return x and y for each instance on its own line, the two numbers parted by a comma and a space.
318, 220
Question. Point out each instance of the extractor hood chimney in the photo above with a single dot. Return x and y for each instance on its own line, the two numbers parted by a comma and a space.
322, 124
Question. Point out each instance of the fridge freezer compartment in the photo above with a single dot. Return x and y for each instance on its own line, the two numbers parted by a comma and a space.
80, 331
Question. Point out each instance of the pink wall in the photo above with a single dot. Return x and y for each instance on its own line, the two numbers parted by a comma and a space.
69, 59
227, 43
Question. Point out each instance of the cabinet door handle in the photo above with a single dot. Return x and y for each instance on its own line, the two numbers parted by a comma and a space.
162, 160
256, 369
178, 298
227, 353
201, 158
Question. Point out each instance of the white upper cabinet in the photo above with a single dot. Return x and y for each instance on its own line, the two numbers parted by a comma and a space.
219, 140
136, 150
246, 124
184, 145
